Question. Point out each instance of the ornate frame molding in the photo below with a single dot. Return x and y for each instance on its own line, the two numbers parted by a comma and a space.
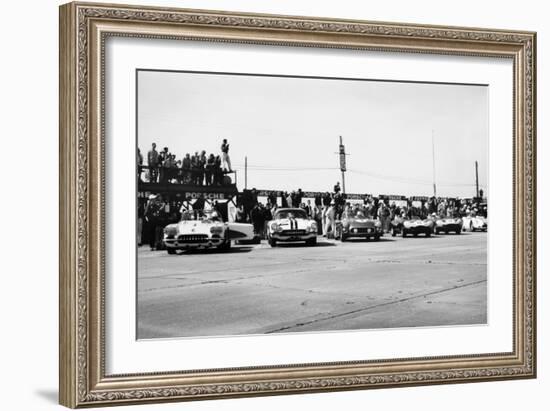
83, 29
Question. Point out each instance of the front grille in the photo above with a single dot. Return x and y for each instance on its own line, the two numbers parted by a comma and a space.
193, 238
293, 232
362, 230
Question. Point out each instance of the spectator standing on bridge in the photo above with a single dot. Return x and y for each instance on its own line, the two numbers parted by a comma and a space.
139, 163
163, 157
186, 169
226, 161
218, 172
195, 168
209, 169
202, 168
153, 163
337, 188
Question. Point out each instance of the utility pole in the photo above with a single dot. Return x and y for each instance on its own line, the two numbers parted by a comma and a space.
433, 162
342, 153
245, 172
477, 182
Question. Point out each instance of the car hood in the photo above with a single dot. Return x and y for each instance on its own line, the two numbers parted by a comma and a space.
196, 227
293, 223
417, 222
359, 222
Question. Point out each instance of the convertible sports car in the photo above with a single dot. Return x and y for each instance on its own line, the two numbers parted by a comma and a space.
448, 224
474, 223
417, 225
202, 231
354, 224
289, 225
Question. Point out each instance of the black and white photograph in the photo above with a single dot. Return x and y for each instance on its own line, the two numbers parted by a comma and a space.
286, 204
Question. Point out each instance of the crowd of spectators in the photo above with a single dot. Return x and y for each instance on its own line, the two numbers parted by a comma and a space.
198, 169
326, 208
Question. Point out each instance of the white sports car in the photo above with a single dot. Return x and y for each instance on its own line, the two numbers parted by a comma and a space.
291, 224
474, 223
207, 230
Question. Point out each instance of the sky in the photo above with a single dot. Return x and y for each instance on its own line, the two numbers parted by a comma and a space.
289, 128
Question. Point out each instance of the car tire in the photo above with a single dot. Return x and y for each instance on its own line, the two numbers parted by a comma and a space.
428, 234
313, 241
225, 246
170, 251
376, 238
403, 233
272, 242
458, 231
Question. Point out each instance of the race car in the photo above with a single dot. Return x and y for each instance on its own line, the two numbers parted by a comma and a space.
417, 225
448, 224
396, 225
203, 230
474, 223
290, 225
354, 224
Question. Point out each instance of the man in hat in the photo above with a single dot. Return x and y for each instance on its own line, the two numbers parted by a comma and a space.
153, 163
152, 217
226, 161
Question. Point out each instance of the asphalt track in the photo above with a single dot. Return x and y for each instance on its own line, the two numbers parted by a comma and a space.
396, 282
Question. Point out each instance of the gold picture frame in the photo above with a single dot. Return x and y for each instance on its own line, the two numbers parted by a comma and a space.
83, 30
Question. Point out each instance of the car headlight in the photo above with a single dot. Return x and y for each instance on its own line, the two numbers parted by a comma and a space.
378, 224
170, 231
216, 230
313, 227
407, 224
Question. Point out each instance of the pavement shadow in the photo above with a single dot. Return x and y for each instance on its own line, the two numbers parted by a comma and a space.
232, 250
298, 245
365, 240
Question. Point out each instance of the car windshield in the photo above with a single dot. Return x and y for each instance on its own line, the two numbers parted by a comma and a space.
357, 213
200, 215
294, 213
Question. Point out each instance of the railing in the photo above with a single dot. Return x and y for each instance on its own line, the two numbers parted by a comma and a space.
194, 176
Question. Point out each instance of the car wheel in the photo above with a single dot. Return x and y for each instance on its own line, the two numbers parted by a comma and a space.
377, 238
343, 237
403, 233
272, 242
428, 234
225, 246
393, 233
312, 241
458, 231
170, 250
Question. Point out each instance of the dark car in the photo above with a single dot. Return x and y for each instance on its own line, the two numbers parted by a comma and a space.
355, 224
448, 225
417, 225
